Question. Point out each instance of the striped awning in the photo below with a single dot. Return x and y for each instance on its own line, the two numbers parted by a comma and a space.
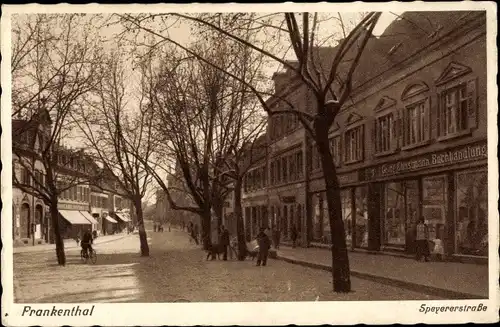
110, 219
89, 217
122, 216
74, 217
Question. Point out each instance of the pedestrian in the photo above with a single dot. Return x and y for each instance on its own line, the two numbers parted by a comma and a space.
154, 227
264, 246
224, 241
294, 236
422, 240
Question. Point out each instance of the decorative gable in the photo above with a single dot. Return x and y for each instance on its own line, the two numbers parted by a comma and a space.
385, 103
353, 118
452, 71
414, 89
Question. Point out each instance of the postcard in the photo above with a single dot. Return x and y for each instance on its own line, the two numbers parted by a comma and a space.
249, 164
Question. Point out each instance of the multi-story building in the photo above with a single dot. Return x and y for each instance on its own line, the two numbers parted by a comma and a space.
410, 143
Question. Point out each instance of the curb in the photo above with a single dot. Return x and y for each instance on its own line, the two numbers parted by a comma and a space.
429, 290
74, 247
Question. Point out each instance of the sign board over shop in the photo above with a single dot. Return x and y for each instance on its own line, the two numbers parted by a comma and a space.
460, 154
348, 178
72, 206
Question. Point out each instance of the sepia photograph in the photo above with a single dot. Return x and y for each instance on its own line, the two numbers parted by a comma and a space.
164, 164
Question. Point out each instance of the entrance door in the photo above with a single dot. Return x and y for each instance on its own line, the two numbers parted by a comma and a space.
38, 221
25, 221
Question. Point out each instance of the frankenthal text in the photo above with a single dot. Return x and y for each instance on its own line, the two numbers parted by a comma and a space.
55, 312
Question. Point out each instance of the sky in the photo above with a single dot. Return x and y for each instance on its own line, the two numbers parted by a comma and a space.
181, 34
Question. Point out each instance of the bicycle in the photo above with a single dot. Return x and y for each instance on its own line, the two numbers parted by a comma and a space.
86, 254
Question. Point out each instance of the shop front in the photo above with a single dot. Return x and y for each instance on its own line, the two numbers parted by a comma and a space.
448, 189
286, 210
354, 211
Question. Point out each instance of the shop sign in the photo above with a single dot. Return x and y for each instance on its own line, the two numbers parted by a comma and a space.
348, 178
441, 158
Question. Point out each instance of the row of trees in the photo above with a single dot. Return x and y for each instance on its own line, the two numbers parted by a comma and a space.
155, 102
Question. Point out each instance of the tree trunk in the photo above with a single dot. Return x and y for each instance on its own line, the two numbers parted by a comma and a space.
206, 229
142, 230
54, 215
340, 259
238, 212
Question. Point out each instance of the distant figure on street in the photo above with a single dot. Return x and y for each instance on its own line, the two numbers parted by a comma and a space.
154, 227
276, 238
294, 236
264, 246
422, 240
224, 241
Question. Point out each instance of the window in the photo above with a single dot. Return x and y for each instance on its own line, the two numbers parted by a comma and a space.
25, 176
354, 144
335, 149
293, 174
278, 171
272, 172
284, 167
315, 159
416, 126
300, 164
454, 110
384, 135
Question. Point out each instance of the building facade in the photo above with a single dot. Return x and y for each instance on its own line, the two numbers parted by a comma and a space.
411, 143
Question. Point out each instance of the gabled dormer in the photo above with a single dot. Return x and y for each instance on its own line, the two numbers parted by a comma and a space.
384, 103
414, 89
452, 71
353, 118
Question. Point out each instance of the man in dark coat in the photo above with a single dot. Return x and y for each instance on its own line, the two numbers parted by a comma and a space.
264, 246
224, 241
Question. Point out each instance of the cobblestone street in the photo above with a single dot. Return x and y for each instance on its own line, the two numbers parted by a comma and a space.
177, 270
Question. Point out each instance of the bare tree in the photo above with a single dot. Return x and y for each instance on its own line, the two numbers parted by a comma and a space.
63, 66
329, 87
120, 137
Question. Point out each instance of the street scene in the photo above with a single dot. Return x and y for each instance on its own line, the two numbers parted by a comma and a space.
248, 157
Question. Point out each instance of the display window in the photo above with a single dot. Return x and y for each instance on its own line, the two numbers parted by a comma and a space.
361, 217
471, 215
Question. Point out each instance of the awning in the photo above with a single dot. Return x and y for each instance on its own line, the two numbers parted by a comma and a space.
89, 217
110, 219
122, 216
74, 217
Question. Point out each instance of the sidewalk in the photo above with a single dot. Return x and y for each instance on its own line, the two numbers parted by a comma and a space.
444, 279
68, 244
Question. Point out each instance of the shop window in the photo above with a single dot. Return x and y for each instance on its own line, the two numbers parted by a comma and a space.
472, 213
434, 199
416, 123
394, 214
354, 141
317, 203
384, 133
346, 201
335, 148
361, 217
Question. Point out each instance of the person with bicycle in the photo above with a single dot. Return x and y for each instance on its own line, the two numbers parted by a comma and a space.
86, 242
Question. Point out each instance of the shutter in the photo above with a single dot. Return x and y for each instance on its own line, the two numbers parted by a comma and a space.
439, 116
395, 130
373, 129
361, 142
472, 103
401, 127
427, 119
